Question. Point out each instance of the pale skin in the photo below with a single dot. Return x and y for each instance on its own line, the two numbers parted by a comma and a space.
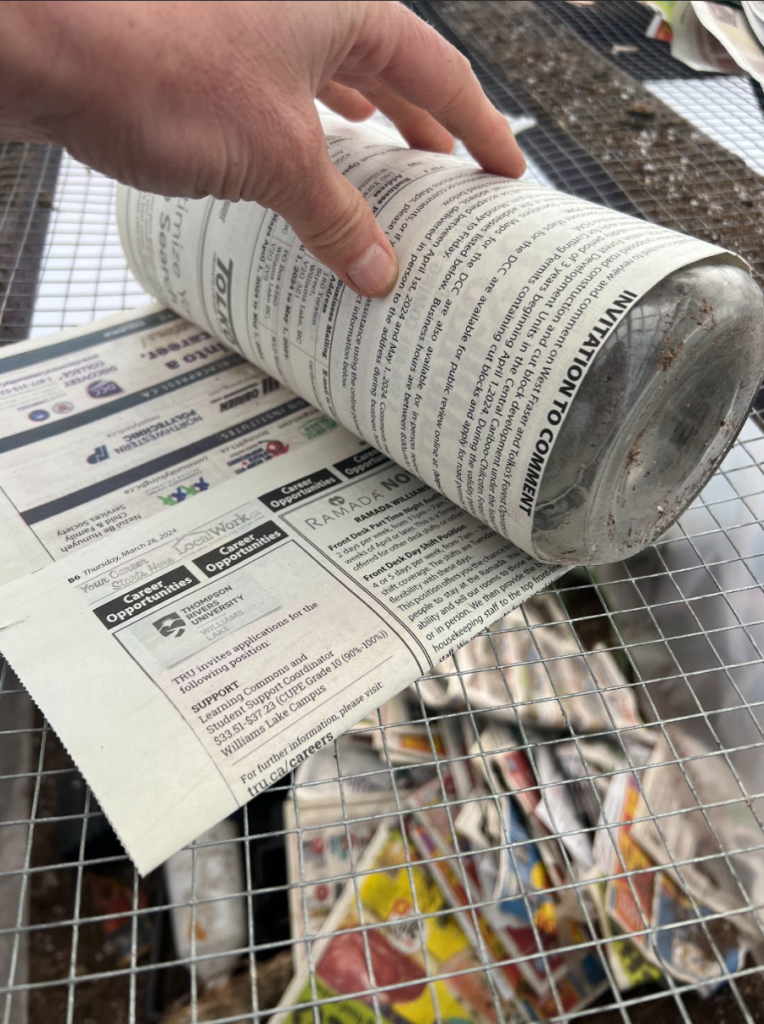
195, 98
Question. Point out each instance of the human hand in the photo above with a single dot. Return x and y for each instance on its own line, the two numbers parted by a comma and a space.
217, 98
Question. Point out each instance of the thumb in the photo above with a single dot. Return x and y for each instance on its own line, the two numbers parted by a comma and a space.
335, 223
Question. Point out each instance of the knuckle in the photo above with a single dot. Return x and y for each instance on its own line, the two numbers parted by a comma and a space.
488, 128
462, 65
448, 110
282, 175
338, 228
231, 176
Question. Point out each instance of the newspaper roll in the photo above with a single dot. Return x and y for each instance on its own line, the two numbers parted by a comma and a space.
467, 373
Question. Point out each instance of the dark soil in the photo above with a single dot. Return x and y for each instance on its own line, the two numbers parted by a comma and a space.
672, 173
723, 1008
584, 606
53, 899
161, 993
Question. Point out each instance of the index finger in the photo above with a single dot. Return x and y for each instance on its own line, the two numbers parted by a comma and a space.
415, 62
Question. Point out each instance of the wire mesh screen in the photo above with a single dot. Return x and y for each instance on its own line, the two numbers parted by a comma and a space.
565, 817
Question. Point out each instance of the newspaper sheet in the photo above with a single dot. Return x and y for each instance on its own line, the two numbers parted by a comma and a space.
629, 967
717, 37
694, 45
331, 841
104, 426
667, 926
733, 31
302, 577
390, 935
341, 797
504, 909
754, 12
690, 837
529, 666
246, 629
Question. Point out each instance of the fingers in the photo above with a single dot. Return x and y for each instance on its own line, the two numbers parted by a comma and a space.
417, 127
347, 102
335, 223
422, 68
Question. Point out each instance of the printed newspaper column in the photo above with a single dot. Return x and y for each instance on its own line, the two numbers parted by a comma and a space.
250, 628
465, 373
134, 415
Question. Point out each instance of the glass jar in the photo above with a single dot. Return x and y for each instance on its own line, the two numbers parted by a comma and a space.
661, 405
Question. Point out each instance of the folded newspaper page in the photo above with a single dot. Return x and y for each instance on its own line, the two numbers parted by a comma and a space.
384, 941
297, 580
690, 838
331, 841
344, 512
695, 44
733, 30
717, 37
666, 925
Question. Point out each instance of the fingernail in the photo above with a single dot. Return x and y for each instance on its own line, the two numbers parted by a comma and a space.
374, 272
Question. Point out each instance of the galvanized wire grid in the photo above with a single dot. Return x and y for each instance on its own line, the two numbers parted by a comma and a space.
686, 620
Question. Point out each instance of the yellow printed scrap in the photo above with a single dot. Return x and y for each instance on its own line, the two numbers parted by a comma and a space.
638, 970
343, 1011
409, 919
422, 1010
389, 896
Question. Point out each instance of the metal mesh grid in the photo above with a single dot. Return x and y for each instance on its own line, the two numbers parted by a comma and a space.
685, 621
